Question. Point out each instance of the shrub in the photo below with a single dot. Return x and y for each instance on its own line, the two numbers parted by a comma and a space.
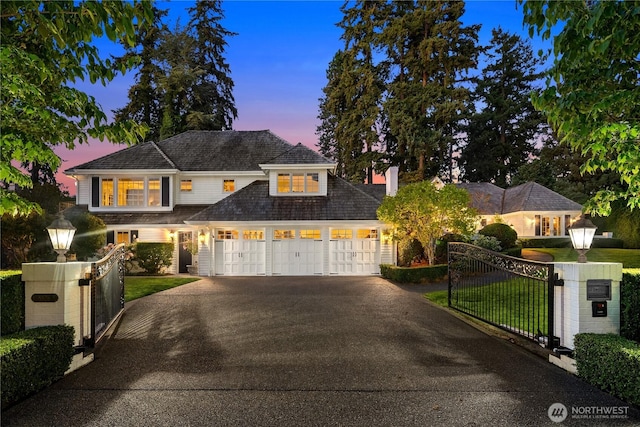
607, 243
90, 234
488, 242
547, 242
11, 304
505, 234
514, 252
630, 306
611, 363
442, 253
33, 359
413, 274
153, 257
408, 251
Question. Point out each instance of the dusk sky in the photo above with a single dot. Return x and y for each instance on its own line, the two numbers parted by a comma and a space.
278, 64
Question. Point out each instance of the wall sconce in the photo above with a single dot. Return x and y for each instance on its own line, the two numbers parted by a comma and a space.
201, 237
386, 237
61, 234
172, 235
582, 232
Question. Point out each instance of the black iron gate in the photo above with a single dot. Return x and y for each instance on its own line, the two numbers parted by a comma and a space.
511, 293
107, 291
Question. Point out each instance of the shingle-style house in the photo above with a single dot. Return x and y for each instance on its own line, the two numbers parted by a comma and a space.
531, 209
252, 203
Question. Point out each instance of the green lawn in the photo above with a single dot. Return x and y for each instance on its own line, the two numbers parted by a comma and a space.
630, 258
518, 303
138, 287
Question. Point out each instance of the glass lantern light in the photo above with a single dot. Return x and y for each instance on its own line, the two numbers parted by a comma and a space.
61, 233
582, 232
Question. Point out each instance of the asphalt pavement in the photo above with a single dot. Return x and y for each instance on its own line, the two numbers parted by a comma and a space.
310, 351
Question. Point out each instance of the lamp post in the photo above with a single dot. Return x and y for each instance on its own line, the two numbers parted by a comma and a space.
61, 234
582, 232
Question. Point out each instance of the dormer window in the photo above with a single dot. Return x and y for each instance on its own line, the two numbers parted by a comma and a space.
298, 182
229, 185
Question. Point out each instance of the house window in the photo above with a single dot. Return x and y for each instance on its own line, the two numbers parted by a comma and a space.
227, 234
154, 192
130, 192
567, 224
556, 226
107, 192
185, 185
310, 234
341, 234
538, 231
122, 237
546, 226
229, 185
364, 233
253, 235
298, 182
284, 234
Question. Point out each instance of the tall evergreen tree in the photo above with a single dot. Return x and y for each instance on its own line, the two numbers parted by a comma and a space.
430, 50
501, 136
213, 106
145, 97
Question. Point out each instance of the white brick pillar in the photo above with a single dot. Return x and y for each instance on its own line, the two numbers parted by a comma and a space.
53, 296
573, 307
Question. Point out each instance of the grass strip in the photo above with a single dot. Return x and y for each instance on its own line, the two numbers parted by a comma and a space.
138, 287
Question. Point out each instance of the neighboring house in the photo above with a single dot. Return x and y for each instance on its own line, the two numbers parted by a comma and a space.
252, 203
531, 209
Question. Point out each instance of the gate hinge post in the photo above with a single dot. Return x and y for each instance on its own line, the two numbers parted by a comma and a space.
557, 281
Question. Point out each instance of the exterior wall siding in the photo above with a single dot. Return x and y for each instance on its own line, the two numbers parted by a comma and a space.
208, 190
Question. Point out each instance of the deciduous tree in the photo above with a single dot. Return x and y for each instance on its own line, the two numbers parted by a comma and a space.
592, 95
422, 212
45, 47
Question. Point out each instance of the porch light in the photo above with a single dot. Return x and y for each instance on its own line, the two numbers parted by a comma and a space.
582, 232
61, 234
201, 237
172, 235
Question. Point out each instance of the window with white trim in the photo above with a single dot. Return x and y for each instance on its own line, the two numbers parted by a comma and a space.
284, 234
308, 182
130, 192
229, 185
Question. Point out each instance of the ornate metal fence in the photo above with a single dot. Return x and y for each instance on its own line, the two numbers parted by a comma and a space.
511, 293
107, 291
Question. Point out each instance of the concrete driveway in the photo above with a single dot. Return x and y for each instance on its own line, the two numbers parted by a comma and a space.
305, 351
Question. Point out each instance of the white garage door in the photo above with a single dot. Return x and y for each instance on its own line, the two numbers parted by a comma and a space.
240, 253
354, 254
297, 252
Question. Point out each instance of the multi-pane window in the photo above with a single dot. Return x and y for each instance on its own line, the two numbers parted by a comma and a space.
546, 226
299, 182
227, 234
253, 235
122, 237
341, 234
107, 192
310, 234
567, 224
284, 234
229, 185
556, 226
365, 233
154, 192
186, 185
130, 192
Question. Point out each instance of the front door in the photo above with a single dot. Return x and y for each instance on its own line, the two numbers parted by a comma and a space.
184, 256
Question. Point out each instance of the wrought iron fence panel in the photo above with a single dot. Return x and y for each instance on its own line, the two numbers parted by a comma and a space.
107, 291
511, 293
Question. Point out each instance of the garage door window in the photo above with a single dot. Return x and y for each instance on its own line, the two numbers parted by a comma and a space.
364, 233
253, 235
341, 234
284, 234
310, 234
227, 234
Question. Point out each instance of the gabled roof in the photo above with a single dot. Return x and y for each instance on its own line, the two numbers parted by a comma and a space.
177, 216
208, 151
489, 199
297, 155
253, 203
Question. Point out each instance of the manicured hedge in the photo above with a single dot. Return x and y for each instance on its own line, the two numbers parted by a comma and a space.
514, 252
630, 306
611, 363
565, 242
33, 359
413, 274
11, 304
506, 235
153, 257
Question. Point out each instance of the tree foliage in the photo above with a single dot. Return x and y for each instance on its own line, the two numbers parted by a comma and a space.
46, 48
422, 212
184, 81
592, 96
502, 132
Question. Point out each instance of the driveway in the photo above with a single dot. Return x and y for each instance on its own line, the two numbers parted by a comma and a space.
305, 351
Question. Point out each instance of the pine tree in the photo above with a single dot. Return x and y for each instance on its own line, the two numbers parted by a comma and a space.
430, 50
502, 134
213, 106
